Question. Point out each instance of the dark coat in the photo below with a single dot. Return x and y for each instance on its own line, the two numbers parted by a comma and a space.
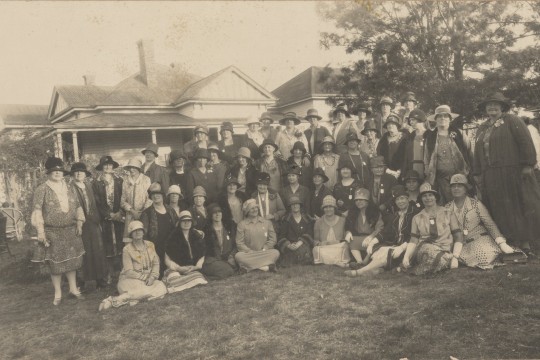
229, 151
359, 165
383, 149
251, 177
306, 177
282, 166
225, 207
384, 192
372, 216
291, 231
430, 138
212, 244
408, 154
199, 221
185, 252
320, 133
316, 201
100, 192
345, 194
390, 234
208, 180
158, 174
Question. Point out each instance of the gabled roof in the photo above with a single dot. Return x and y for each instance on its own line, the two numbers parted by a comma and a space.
314, 81
112, 121
23, 116
227, 84
83, 95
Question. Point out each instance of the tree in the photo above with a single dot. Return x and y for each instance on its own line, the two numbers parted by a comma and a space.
441, 50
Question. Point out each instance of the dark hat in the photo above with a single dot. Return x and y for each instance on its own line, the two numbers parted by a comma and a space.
498, 98
327, 139
294, 169
312, 113
104, 160
299, 146
294, 200
320, 172
177, 154
399, 190
266, 116
289, 116
268, 142
410, 96
387, 100
393, 118
351, 137
370, 125
232, 180
201, 153
263, 178
341, 108
213, 208
349, 165
55, 164
79, 166
155, 188
226, 126
426, 188
215, 148
411, 175
417, 115
151, 147
377, 161
363, 107
362, 194
200, 128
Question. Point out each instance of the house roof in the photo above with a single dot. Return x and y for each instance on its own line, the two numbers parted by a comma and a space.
112, 121
314, 81
23, 116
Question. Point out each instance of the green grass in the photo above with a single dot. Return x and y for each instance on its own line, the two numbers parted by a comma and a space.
311, 312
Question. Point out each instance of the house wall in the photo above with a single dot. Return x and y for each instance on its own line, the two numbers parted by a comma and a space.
221, 111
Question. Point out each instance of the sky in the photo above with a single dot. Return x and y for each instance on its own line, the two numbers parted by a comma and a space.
55, 43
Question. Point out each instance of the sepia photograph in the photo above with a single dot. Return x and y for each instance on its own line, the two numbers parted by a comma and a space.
270, 180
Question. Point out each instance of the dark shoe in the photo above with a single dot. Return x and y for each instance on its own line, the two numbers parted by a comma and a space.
355, 265
272, 268
102, 284
78, 296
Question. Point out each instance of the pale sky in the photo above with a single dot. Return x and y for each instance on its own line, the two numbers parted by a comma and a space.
55, 43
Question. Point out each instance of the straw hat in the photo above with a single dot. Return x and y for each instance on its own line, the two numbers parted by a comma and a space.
135, 225
329, 200
460, 179
134, 163
185, 216
426, 188
248, 205
443, 109
199, 191
174, 189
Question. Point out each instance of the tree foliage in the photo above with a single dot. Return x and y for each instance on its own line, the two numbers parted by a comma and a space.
444, 51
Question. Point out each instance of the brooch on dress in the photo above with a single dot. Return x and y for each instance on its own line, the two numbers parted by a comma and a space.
499, 122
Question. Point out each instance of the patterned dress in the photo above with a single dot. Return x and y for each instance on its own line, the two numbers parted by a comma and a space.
58, 215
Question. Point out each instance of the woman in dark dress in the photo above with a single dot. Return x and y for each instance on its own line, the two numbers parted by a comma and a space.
295, 240
244, 172
159, 221
178, 172
201, 175
344, 189
392, 145
108, 193
318, 193
197, 210
231, 201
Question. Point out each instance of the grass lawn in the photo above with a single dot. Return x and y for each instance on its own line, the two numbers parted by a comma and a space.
311, 312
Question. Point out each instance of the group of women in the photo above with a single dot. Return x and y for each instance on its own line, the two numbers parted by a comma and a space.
422, 200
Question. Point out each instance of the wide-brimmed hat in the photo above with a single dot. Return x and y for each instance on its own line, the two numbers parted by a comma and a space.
185, 216
498, 98
226, 126
352, 137
295, 170
201, 154
263, 178
410, 96
377, 161
460, 179
266, 116
248, 205
135, 225
329, 200
442, 109
155, 188
386, 100
151, 147
252, 119
327, 139
320, 172
289, 116
370, 125
341, 108
134, 163
412, 175
362, 194
215, 148
174, 189
213, 208
200, 128
426, 188
312, 113
299, 146
393, 118
268, 142
177, 154
294, 200
417, 115
79, 166
364, 107
104, 160
399, 190
232, 180
244, 152
199, 191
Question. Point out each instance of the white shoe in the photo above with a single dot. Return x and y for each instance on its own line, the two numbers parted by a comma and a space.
505, 248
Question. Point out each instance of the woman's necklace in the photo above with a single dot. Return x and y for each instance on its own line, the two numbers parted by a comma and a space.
332, 158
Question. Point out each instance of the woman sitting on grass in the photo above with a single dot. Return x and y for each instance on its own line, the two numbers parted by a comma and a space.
436, 239
296, 236
139, 277
184, 256
329, 234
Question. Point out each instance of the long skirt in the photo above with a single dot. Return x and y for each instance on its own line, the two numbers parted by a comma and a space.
481, 252
65, 252
94, 266
256, 259
138, 290
112, 233
216, 269
176, 282
430, 259
301, 256
335, 254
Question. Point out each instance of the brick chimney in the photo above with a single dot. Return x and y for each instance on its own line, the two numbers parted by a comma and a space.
89, 79
147, 63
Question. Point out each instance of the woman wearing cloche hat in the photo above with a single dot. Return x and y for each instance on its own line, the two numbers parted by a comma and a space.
504, 158
243, 171
328, 161
202, 175
134, 192
295, 239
